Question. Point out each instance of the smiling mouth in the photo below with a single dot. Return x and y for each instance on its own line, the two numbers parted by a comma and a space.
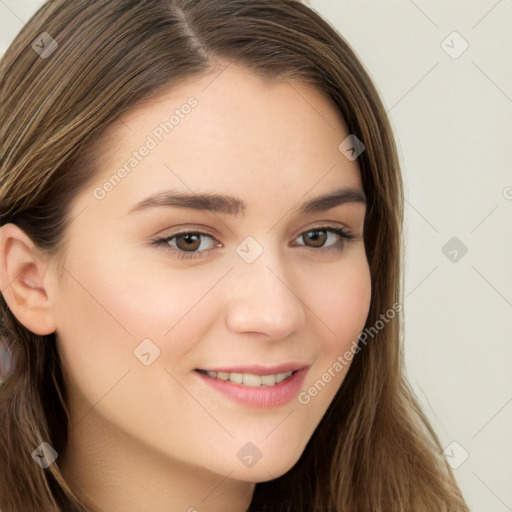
249, 379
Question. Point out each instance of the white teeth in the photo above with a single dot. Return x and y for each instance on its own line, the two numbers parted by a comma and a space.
281, 376
248, 379
251, 380
268, 380
236, 377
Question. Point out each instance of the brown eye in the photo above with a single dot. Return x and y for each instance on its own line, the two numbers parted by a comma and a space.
315, 238
324, 238
188, 242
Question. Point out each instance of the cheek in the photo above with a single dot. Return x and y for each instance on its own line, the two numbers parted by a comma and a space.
93, 334
110, 303
340, 299
152, 297
103, 314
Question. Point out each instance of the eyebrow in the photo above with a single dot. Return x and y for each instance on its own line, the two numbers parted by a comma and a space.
234, 206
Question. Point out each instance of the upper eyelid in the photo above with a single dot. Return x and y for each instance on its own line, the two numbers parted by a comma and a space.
205, 231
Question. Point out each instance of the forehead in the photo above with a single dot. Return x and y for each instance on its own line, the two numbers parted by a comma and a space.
230, 131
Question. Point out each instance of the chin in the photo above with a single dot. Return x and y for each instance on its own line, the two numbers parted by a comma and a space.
264, 471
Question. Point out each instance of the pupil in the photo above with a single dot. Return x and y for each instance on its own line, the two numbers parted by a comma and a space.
191, 242
318, 238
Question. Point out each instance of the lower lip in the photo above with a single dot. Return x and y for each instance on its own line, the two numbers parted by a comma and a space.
262, 397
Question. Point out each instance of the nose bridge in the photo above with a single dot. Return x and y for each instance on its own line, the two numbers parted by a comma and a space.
262, 298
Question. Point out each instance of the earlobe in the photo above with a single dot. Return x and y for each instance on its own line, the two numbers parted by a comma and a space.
22, 280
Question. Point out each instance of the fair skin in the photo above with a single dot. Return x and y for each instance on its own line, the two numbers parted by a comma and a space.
156, 437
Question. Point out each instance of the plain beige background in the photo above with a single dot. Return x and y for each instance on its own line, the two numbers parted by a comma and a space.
443, 70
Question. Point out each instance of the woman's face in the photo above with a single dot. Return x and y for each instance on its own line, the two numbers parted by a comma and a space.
262, 284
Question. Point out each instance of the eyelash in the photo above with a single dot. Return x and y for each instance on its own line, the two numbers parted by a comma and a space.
345, 236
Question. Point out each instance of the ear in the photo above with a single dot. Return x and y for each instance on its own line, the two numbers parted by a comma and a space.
22, 280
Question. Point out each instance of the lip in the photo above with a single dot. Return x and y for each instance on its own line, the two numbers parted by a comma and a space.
262, 397
259, 369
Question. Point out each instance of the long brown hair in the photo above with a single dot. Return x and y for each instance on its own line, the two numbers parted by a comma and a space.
374, 450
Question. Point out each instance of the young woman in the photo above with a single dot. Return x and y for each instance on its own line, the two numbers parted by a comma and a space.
200, 265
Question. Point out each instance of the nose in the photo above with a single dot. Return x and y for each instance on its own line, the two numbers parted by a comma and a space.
263, 300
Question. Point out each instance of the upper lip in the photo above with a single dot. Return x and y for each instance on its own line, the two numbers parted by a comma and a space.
255, 369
